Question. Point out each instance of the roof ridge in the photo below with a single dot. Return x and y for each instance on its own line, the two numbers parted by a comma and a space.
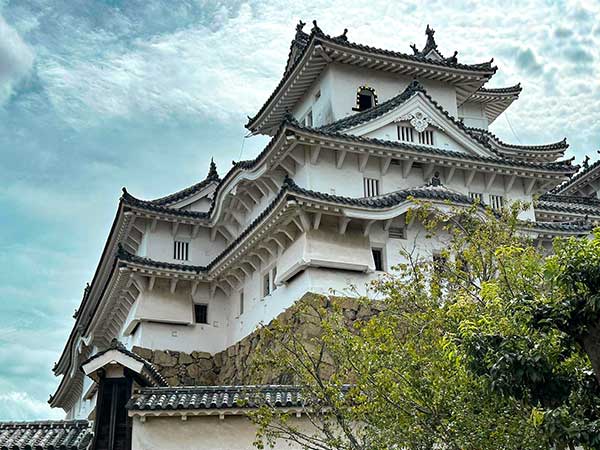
211, 177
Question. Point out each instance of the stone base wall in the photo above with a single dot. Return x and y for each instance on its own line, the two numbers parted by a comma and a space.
234, 365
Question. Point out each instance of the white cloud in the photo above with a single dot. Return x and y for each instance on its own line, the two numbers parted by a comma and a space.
21, 406
16, 59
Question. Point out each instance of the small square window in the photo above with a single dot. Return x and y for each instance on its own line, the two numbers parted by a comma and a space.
378, 258
201, 313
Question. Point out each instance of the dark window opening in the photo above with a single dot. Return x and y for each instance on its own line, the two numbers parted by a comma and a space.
378, 259
365, 101
365, 98
201, 313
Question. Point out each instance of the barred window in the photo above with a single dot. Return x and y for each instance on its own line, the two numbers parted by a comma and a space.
181, 250
476, 196
496, 202
405, 134
371, 187
426, 137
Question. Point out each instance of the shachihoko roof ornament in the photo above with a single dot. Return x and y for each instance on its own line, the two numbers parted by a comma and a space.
431, 51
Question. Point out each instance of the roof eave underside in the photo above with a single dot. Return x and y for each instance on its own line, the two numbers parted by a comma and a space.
321, 51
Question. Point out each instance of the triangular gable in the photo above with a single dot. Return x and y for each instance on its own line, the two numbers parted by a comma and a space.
419, 111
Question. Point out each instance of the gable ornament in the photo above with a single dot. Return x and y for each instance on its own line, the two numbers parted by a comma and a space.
418, 120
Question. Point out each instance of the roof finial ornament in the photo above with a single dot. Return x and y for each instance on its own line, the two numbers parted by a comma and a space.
414, 49
343, 36
316, 28
300, 26
212, 171
430, 44
586, 162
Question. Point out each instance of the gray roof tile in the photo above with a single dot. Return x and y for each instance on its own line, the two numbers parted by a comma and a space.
45, 435
215, 397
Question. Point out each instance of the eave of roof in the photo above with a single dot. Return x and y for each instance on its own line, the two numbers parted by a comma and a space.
482, 71
544, 152
495, 100
562, 167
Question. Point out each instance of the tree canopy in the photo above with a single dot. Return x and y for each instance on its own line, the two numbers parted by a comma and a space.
491, 344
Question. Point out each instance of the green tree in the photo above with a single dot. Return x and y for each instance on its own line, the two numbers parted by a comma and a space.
487, 347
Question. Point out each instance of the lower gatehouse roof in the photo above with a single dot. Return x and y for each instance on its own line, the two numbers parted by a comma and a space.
46, 435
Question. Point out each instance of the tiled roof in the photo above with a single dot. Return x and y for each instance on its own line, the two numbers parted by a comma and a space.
317, 35
155, 375
124, 255
569, 204
45, 435
486, 134
475, 133
212, 177
380, 202
561, 166
576, 226
152, 205
515, 90
215, 397
391, 199
564, 187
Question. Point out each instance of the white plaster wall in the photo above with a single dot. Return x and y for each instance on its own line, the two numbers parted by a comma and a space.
158, 244
473, 115
346, 79
199, 433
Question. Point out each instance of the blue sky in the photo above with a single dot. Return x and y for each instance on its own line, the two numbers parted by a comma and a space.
96, 95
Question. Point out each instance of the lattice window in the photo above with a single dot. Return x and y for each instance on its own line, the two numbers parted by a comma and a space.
181, 250
406, 134
426, 137
496, 202
371, 187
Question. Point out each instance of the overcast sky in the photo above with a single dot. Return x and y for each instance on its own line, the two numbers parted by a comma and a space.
96, 95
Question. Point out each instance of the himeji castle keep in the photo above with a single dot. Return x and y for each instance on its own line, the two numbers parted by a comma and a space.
356, 133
